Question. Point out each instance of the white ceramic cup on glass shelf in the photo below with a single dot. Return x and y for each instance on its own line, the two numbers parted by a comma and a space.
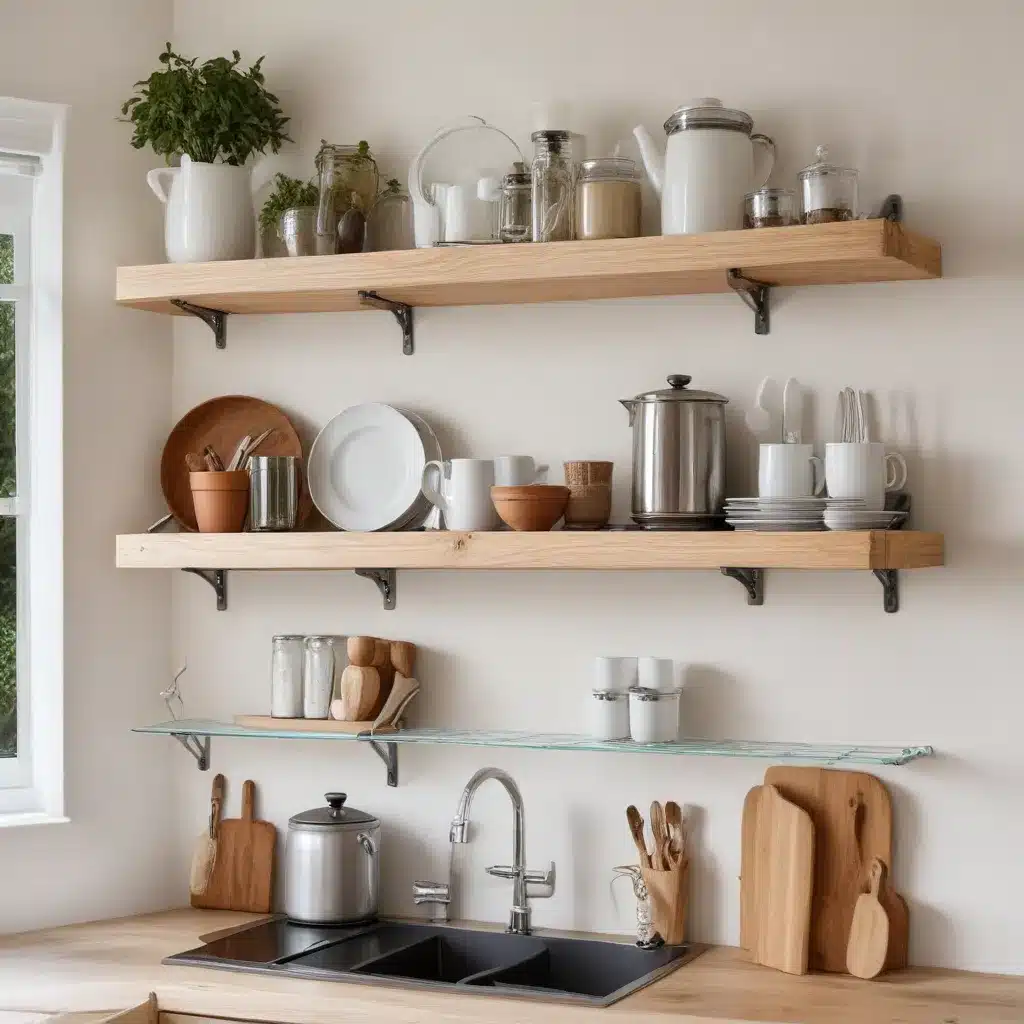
616, 674
462, 491
863, 470
516, 470
789, 471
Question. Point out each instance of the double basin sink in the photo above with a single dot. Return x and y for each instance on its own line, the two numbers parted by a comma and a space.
441, 957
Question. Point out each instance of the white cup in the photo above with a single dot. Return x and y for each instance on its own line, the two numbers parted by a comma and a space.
462, 492
617, 674
789, 471
516, 470
655, 674
863, 470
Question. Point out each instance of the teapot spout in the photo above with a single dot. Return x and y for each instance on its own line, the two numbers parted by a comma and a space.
653, 157
629, 405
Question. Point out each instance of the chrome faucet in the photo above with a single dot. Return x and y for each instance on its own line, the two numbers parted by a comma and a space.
544, 881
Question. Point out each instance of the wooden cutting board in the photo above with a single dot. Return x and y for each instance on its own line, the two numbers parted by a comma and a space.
243, 874
868, 945
784, 871
852, 816
748, 865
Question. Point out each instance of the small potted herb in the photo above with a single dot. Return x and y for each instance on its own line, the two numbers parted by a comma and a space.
288, 218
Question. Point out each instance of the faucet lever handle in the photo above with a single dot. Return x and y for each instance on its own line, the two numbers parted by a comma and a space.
544, 879
431, 892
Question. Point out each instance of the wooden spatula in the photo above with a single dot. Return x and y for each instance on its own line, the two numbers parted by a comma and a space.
205, 854
869, 933
636, 828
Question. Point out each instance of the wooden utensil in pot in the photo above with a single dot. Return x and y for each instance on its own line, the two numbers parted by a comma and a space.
358, 693
868, 944
675, 828
659, 859
204, 856
361, 650
636, 828
403, 658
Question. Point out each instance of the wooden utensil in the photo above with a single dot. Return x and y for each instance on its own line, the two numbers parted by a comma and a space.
403, 658
659, 859
204, 856
852, 816
361, 650
784, 851
668, 892
236, 459
401, 694
636, 828
676, 833
212, 460
748, 871
194, 463
358, 692
243, 873
869, 933
386, 671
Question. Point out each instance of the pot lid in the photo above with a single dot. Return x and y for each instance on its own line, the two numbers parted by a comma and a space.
708, 112
334, 816
821, 165
678, 391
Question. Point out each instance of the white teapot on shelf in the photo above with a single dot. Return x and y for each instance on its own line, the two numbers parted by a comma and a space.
708, 166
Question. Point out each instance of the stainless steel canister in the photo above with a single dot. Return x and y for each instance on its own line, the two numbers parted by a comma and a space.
274, 492
678, 456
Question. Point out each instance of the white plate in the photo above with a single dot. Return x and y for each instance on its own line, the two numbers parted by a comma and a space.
777, 527
419, 513
365, 468
815, 501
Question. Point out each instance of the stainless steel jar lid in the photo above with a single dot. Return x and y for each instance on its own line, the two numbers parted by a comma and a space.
708, 112
336, 816
679, 391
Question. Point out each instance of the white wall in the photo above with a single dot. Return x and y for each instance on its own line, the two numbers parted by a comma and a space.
113, 858
923, 98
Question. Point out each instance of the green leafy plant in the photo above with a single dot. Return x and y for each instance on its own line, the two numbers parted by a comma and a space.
211, 111
288, 193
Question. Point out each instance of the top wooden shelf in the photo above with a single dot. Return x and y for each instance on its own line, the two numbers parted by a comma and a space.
847, 253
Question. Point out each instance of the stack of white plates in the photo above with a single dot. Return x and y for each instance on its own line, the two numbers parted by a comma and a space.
366, 466
850, 514
774, 514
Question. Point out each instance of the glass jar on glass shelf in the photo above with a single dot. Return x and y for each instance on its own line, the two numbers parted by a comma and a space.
349, 180
514, 223
828, 192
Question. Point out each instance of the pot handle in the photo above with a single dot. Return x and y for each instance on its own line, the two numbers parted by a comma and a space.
769, 146
155, 180
367, 844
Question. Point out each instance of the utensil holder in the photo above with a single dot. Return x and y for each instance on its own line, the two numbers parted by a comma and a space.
221, 500
669, 894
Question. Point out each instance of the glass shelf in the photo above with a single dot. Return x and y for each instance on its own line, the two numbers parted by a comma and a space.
194, 735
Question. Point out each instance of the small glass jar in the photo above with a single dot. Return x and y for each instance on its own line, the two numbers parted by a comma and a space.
653, 715
609, 715
348, 180
389, 225
554, 183
608, 199
286, 676
828, 193
514, 210
318, 677
770, 208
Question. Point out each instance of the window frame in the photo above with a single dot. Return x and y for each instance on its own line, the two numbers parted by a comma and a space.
33, 792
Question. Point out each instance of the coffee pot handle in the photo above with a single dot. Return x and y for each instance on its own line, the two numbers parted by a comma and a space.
767, 145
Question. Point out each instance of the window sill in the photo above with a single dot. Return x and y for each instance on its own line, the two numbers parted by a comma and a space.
22, 819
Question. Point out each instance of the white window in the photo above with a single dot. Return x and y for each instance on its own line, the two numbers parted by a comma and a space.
31, 463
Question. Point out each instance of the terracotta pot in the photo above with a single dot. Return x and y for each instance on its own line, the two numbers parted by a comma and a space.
221, 500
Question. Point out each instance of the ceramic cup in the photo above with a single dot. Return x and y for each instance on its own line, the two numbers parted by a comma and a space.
462, 492
789, 471
655, 674
516, 471
617, 674
863, 470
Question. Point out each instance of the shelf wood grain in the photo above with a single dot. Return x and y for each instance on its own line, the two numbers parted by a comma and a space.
845, 253
560, 549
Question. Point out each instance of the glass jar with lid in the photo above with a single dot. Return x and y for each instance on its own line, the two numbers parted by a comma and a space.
514, 223
554, 182
828, 192
348, 180
770, 208
608, 199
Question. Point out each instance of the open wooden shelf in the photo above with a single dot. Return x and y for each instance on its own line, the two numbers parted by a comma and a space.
846, 253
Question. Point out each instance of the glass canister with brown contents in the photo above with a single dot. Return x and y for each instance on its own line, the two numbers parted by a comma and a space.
608, 199
828, 192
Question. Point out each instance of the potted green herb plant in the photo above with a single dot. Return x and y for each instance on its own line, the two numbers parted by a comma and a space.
288, 218
214, 117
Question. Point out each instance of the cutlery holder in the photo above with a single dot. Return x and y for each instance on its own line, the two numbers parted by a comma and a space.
221, 500
669, 894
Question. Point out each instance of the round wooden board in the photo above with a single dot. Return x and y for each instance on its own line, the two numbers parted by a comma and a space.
223, 422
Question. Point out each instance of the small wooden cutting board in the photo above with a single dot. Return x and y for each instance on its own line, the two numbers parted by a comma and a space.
748, 867
868, 944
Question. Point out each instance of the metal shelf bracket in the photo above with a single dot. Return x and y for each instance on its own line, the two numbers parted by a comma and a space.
387, 584
388, 753
755, 295
890, 580
198, 747
401, 311
218, 579
752, 580
215, 319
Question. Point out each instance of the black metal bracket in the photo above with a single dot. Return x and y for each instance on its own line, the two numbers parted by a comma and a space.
218, 579
752, 580
215, 319
401, 311
388, 753
890, 580
755, 295
198, 748
892, 208
387, 584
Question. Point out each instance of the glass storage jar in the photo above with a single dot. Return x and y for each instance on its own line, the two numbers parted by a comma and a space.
318, 677
828, 192
770, 208
514, 223
608, 199
554, 181
286, 676
349, 180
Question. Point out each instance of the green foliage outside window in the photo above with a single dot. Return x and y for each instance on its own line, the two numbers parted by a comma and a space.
8, 526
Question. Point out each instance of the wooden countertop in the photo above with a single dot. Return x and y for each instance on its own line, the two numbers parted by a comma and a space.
109, 965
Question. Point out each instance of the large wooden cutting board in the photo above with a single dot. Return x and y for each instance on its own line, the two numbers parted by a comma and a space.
748, 867
852, 816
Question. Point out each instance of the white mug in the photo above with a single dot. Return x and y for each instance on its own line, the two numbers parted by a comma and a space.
462, 492
789, 471
617, 674
516, 470
863, 470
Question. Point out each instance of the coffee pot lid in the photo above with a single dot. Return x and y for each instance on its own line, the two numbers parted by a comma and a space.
708, 112
679, 391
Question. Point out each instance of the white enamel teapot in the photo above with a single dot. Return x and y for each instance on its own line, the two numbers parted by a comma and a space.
708, 166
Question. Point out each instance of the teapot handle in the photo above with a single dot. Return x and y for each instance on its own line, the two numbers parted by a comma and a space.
768, 144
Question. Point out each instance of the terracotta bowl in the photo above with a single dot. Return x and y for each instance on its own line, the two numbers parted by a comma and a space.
536, 507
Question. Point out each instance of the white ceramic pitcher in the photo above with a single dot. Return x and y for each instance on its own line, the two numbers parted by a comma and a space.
707, 168
209, 213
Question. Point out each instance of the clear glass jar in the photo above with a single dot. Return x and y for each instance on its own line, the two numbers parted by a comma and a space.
554, 184
318, 677
770, 208
286, 676
828, 192
609, 715
514, 209
389, 225
349, 180
608, 199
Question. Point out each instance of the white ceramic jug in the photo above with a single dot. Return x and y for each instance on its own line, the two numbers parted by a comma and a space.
209, 213
707, 167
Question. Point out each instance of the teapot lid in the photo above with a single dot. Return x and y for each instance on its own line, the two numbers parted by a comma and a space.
679, 391
708, 112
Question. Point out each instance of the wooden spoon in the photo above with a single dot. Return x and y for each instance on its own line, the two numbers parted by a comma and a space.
659, 859
869, 932
676, 834
636, 827
204, 856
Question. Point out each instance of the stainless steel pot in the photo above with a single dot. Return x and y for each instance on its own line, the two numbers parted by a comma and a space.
332, 864
678, 456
